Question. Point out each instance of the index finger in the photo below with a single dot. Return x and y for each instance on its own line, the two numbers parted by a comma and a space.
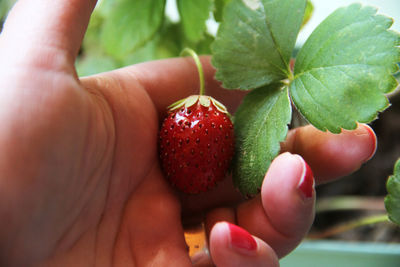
169, 80
332, 155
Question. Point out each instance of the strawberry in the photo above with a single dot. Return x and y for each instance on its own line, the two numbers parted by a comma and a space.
196, 143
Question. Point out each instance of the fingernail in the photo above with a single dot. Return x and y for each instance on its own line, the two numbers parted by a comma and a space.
241, 240
306, 183
374, 141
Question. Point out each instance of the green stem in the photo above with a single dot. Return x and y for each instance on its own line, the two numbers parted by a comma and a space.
196, 58
349, 203
351, 225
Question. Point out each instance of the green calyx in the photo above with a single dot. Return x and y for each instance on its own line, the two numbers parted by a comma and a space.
203, 100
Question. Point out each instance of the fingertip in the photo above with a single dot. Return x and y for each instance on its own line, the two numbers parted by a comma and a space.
53, 25
347, 151
371, 141
306, 183
286, 172
332, 155
284, 211
288, 195
231, 245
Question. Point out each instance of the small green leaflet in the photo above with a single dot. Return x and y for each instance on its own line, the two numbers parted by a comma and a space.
255, 41
194, 14
308, 13
94, 63
392, 200
5, 6
219, 6
130, 25
260, 125
344, 69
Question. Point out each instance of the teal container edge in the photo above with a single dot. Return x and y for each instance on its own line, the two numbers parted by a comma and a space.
343, 254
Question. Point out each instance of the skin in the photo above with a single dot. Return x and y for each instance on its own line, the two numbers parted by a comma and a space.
80, 182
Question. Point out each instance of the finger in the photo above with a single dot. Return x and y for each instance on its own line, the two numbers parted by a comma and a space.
169, 80
223, 194
332, 155
150, 233
218, 215
201, 259
232, 246
284, 211
47, 24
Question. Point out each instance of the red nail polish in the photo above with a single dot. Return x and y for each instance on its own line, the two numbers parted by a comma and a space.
241, 239
374, 141
306, 184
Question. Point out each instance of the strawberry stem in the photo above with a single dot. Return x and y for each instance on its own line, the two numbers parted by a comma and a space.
196, 58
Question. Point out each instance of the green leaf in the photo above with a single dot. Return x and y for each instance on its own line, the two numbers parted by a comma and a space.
308, 13
163, 45
260, 125
204, 46
168, 42
130, 24
218, 9
392, 200
5, 6
255, 41
94, 63
194, 14
344, 69
92, 37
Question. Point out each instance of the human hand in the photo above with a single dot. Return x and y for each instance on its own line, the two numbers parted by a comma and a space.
80, 182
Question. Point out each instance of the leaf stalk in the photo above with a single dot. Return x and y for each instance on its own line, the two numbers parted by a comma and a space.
370, 220
196, 59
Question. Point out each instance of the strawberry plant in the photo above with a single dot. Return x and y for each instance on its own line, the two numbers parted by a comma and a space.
340, 78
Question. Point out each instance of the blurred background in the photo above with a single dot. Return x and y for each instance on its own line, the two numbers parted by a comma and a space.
322, 9
124, 32
360, 195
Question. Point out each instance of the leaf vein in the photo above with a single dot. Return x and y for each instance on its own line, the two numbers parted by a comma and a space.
335, 66
316, 102
258, 132
277, 47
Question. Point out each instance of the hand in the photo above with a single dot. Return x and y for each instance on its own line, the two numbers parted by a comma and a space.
80, 182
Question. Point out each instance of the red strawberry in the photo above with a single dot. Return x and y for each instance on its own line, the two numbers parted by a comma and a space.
196, 143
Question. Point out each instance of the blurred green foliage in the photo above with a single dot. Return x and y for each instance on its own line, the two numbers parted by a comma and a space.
124, 32
5, 6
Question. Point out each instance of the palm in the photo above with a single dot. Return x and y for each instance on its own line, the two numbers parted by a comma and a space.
125, 180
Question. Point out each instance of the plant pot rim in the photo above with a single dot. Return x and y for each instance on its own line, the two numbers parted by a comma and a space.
343, 253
